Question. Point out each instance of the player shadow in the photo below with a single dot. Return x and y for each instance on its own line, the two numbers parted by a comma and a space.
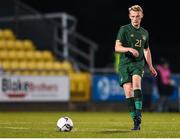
114, 131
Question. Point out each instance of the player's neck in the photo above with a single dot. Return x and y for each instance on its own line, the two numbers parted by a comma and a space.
136, 26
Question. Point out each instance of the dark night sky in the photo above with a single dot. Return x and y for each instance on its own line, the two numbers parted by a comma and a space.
101, 19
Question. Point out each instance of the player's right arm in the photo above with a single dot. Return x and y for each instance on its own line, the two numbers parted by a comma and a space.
121, 49
121, 39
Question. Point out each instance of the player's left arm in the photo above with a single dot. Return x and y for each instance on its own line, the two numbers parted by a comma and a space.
148, 57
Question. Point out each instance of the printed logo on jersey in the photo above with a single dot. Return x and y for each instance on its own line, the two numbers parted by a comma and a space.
132, 35
121, 79
143, 37
142, 73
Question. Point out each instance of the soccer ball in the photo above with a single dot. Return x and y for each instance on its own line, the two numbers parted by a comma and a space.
65, 124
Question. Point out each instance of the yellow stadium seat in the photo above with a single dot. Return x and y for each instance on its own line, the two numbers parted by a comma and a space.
32, 65
80, 86
48, 65
19, 45
52, 73
26, 73
47, 55
28, 45
21, 55
43, 73
73, 82
37, 55
4, 55
10, 45
8, 34
2, 44
66, 66
1, 34
57, 66
17, 72
73, 86
60, 73
15, 66
34, 73
23, 65
12, 55
30, 55
6, 65
40, 65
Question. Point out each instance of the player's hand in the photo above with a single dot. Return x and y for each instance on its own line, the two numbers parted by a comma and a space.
153, 71
134, 52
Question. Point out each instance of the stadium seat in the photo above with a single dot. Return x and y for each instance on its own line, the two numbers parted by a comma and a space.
2, 44
10, 45
34, 73
19, 45
23, 65
17, 72
30, 55
47, 55
73, 86
52, 73
80, 86
66, 66
40, 65
28, 45
26, 73
32, 65
6, 65
43, 73
57, 66
14, 66
4, 55
48, 66
1, 35
12, 55
60, 73
21, 55
37, 55
8, 34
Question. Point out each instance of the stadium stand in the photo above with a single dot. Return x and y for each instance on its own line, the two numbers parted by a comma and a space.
20, 57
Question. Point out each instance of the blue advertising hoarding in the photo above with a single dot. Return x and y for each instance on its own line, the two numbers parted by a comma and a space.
106, 88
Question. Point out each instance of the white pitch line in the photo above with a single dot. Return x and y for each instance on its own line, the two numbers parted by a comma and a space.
16, 128
8, 123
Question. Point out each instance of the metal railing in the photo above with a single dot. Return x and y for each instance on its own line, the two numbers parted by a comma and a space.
81, 52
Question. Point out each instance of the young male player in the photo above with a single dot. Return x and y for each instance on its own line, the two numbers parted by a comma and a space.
132, 44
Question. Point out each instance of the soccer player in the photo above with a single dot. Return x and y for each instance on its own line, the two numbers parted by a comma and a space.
132, 44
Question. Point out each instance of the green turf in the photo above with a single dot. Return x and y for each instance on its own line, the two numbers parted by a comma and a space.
88, 124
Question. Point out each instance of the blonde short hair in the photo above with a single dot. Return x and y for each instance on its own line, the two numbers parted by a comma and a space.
136, 8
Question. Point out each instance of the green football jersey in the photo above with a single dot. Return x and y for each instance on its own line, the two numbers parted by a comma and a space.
138, 39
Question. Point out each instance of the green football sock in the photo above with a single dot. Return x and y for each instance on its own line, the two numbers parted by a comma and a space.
138, 100
131, 107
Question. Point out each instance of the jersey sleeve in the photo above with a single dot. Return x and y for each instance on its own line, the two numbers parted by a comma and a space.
121, 35
147, 41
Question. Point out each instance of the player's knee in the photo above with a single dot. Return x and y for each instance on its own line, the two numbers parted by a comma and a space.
136, 86
136, 82
129, 93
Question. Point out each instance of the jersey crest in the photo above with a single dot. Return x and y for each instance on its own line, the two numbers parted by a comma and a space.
143, 37
132, 35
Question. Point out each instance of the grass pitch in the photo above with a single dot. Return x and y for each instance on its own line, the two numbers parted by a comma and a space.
88, 125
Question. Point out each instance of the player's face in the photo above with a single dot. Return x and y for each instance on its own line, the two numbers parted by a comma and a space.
135, 17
